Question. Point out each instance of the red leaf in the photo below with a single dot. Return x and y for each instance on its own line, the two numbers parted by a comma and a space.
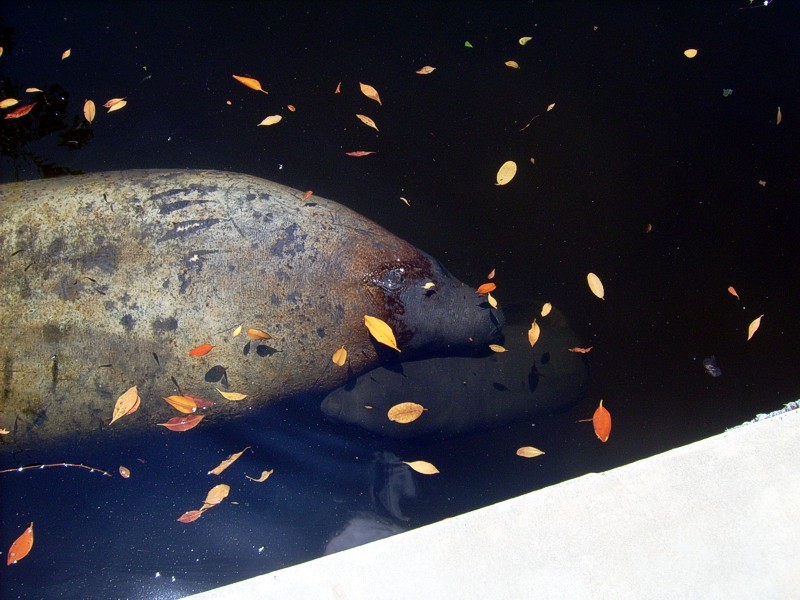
581, 350
602, 423
183, 423
20, 112
200, 402
201, 350
190, 515
21, 546
359, 153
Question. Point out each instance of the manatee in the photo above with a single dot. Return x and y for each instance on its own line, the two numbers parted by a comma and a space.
108, 280
466, 394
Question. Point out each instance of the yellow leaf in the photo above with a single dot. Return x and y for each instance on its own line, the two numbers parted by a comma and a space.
340, 357
370, 92
184, 404
118, 105
237, 331
126, 404
779, 117
497, 348
253, 84
506, 172
405, 412
524, 40
264, 475
491, 300
381, 331
33, 90
533, 333
66, 53
753, 327
216, 495
406, 201
596, 285
546, 308
429, 285
529, 452
690, 53
426, 70
513, 64
422, 466
367, 121
232, 395
8, 102
271, 120
551, 106
4, 432
227, 462
89, 110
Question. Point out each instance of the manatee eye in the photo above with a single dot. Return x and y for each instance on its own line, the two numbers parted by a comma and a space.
389, 280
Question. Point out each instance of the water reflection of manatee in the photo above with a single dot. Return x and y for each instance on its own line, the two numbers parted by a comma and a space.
464, 394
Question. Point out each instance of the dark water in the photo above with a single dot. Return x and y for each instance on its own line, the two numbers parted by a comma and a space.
639, 135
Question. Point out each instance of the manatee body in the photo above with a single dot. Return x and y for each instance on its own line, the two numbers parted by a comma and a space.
464, 394
109, 280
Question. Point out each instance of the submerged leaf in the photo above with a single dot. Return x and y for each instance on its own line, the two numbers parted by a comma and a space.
370, 92
422, 466
506, 172
184, 404
529, 452
533, 333
227, 462
21, 546
126, 404
601, 420
595, 285
339, 357
183, 423
200, 350
20, 112
258, 335
381, 331
235, 396
405, 412
753, 327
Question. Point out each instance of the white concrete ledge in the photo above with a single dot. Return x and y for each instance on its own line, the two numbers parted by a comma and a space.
714, 519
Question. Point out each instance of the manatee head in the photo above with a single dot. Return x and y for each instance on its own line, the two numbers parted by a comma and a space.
430, 311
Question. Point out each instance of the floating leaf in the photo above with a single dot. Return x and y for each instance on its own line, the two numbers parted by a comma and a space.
1, 51
546, 308
112, 102
497, 348
506, 172
118, 105
227, 462
426, 70
183, 423
595, 285
370, 92
529, 452
89, 110
533, 333
201, 350
125, 472
490, 275
732, 292
551, 106
264, 475
66, 53
33, 90
237, 331
405, 412
338, 88
216, 495
524, 40
360, 153
340, 357
422, 466
753, 327
8, 102
235, 396
190, 516
367, 121
512, 64
779, 118
491, 300
381, 331
467, 45
185, 404
21, 546
258, 335
126, 404
307, 194
485, 288
581, 350
20, 112
291, 107
601, 420
253, 84
690, 52
405, 200
271, 120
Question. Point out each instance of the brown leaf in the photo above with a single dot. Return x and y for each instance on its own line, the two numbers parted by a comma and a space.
422, 466
21, 546
264, 475
491, 274
338, 88
258, 335
529, 452
216, 495
253, 84
183, 423
381, 331
125, 472
360, 153
581, 350
512, 64
126, 404
308, 194
370, 92
226, 463
405, 412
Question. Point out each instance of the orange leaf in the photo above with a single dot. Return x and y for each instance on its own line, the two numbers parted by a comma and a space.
732, 292
190, 515
199, 402
486, 288
183, 423
581, 350
308, 194
601, 420
20, 112
370, 92
201, 350
258, 334
491, 274
226, 463
359, 153
182, 403
338, 88
125, 472
253, 84
21, 546
126, 404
